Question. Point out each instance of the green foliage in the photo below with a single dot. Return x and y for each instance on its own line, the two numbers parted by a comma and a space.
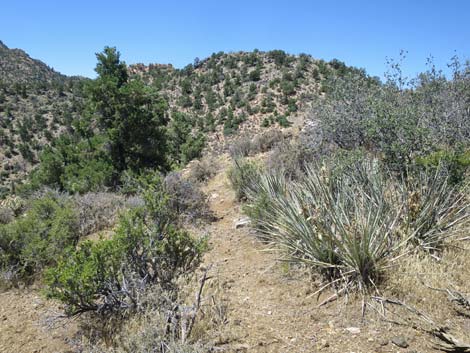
183, 144
242, 175
456, 163
110, 275
74, 165
130, 115
279, 56
400, 120
282, 121
192, 148
255, 75
37, 240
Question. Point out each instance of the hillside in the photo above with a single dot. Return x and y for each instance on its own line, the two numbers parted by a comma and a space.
219, 96
36, 104
244, 91
16, 66
248, 202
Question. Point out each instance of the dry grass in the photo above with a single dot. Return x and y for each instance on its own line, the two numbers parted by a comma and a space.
200, 171
411, 279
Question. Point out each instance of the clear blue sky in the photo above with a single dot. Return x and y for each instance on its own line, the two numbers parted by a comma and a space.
67, 34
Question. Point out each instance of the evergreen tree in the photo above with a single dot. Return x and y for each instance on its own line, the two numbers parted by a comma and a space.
130, 114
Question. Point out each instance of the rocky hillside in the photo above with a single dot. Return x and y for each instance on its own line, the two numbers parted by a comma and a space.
219, 96
18, 67
243, 90
36, 104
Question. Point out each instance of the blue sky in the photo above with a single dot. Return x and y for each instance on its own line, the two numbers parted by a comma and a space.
67, 34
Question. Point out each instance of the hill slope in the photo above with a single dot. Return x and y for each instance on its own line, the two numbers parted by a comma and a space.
18, 67
36, 104
217, 97
247, 90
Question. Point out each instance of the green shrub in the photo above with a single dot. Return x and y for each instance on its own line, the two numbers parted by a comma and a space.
282, 121
242, 176
74, 165
400, 120
192, 148
37, 240
454, 162
109, 276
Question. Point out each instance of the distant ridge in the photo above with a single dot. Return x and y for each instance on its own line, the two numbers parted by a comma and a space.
16, 66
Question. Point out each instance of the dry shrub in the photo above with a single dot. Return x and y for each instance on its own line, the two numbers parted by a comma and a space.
6, 215
267, 140
422, 283
241, 147
290, 158
202, 170
186, 199
157, 328
100, 210
247, 146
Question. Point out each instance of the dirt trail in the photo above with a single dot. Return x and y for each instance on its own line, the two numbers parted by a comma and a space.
269, 308
24, 324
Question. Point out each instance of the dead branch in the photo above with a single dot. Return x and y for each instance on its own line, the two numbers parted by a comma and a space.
448, 342
453, 295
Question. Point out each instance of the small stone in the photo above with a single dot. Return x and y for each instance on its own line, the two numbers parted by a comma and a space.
383, 342
270, 312
354, 330
242, 222
324, 343
400, 341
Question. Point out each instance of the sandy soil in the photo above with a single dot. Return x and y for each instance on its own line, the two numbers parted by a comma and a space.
27, 324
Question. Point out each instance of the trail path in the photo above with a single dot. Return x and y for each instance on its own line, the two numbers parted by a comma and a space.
24, 326
270, 307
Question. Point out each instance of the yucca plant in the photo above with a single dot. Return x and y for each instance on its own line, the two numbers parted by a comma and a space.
260, 195
433, 208
338, 224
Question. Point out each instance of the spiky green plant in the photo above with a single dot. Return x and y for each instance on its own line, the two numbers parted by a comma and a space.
243, 175
434, 208
341, 224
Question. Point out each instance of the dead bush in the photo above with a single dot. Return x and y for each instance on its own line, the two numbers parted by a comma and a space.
241, 147
203, 169
6, 215
290, 158
267, 140
100, 210
186, 199
246, 145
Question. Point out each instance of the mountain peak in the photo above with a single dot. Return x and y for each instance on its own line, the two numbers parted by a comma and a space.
16, 66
